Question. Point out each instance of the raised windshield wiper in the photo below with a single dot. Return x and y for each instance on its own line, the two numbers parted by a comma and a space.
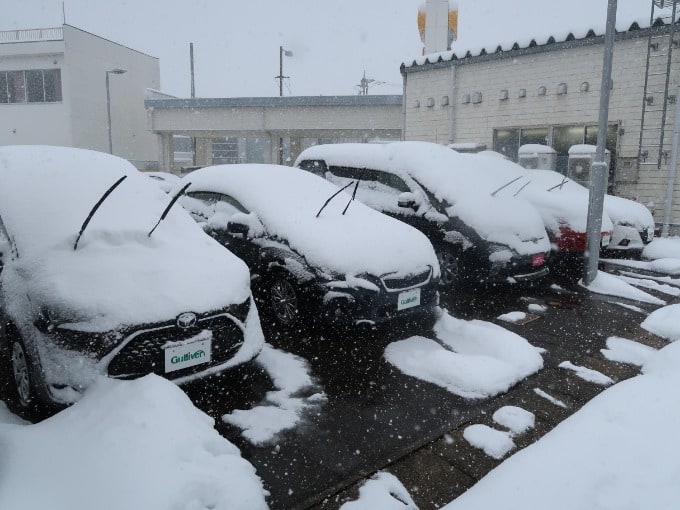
96, 206
506, 185
523, 186
564, 180
335, 195
354, 194
167, 209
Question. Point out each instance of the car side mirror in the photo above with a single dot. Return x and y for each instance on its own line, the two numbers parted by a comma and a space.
248, 225
408, 200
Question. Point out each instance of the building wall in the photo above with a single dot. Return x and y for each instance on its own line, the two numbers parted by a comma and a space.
572, 66
87, 58
35, 123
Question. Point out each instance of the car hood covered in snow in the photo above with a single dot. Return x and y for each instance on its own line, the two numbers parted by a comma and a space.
451, 178
287, 201
560, 201
118, 275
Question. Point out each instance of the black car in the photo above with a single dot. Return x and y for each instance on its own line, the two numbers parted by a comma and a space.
478, 237
92, 283
315, 255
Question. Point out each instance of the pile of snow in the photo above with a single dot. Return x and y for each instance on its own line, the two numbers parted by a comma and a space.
473, 359
663, 248
587, 374
126, 444
494, 443
664, 322
383, 491
512, 317
515, 419
619, 451
668, 266
283, 408
648, 283
287, 201
627, 351
497, 443
605, 283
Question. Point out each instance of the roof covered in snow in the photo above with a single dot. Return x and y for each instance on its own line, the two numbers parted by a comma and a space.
463, 52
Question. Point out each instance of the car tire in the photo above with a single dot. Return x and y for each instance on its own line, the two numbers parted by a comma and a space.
24, 401
283, 301
449, 264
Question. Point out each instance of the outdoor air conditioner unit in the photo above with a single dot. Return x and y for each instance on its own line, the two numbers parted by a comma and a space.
581, 159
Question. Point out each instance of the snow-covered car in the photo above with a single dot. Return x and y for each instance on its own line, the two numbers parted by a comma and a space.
562, 204
165, 180
315, 254
93, 283
478, 236
633, 226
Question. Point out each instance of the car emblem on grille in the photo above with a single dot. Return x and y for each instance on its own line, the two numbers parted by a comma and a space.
186, 320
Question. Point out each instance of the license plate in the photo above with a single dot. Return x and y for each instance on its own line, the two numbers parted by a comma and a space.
408, 299
538, 260
188, 355
606, 240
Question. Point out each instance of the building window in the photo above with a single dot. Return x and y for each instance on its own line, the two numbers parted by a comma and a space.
34, 86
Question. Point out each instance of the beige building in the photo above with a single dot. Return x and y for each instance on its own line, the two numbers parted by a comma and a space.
56, 85
268, 129
547, 92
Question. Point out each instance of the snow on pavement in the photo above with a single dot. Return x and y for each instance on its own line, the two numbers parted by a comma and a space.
662, 247
7, 417
587, 374
125, 444
669, 266
610, 285
515, 419
651, 284
383, 491
494, 443
512, 316
550, 398
627, 351
619, 451
282, 409
664, 322
472, 359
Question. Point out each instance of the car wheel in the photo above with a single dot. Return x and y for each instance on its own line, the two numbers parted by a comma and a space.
284, 301
449, 264
21, 372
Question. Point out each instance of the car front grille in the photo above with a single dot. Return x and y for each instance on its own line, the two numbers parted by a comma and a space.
393, 283
144, 353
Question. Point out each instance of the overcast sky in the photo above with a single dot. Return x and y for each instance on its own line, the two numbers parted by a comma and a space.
236, 43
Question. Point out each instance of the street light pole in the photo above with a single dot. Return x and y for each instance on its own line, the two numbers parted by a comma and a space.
108, 104
280, 77
598, 172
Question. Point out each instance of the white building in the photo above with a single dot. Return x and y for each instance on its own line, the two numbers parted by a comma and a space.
546, 91
53, 90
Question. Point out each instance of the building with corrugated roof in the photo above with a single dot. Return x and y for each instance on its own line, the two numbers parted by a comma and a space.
546, 90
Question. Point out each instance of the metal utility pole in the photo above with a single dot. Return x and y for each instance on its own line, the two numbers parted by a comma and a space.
191, 63
280, 77
672, 169
108, 104
599, 171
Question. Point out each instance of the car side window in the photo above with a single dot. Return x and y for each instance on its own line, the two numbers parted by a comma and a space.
386, 181
314, 166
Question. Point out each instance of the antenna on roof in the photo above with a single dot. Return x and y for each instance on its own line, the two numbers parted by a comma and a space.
63, 13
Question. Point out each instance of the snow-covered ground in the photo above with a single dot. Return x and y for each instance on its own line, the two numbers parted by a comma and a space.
296, 394
662, 256
473, 359
619, 452
126, 444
